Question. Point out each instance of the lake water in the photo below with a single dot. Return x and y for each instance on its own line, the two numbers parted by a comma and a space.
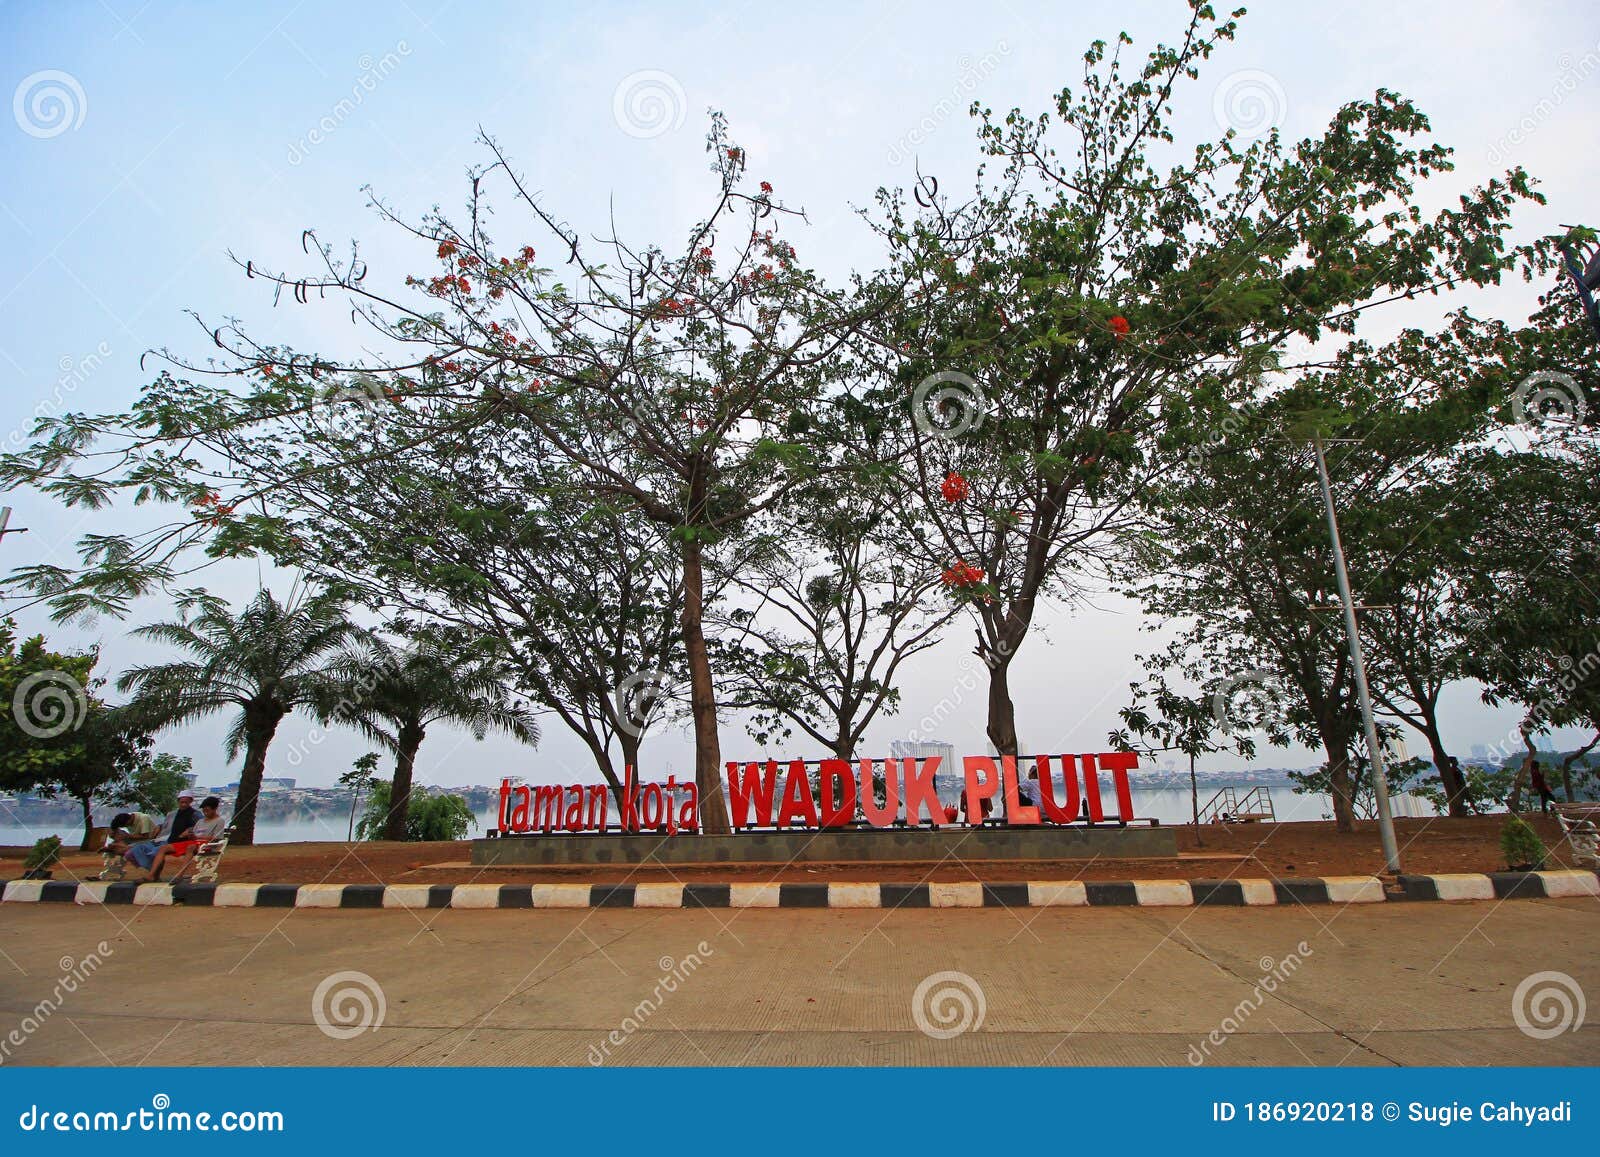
1168, 806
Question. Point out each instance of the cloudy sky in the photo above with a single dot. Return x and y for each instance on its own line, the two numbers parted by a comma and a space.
148, 139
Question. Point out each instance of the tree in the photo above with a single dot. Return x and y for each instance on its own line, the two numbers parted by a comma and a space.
430, 818
359, 780
45, 699
675, 387
1089, 299
830, 610
1193, 725
584, 599
267, 660
401, 691
1415, 642
1238, 548
155, 785
1533, 613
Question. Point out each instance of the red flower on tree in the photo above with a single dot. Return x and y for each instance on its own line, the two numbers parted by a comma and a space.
1119, 326
954, 488
448, 248
527, 253
766, 186
961, 575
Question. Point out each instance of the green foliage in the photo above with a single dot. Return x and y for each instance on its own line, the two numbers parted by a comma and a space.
361, 774
429, 817
45, 853
50, 691
1521, 845
154, 785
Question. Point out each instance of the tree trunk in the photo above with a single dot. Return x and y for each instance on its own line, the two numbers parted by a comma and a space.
1002, 712
405, 762
84, 802
1194, 802
1514, 799
1454, 783
1340, 786
702, 697
260, 725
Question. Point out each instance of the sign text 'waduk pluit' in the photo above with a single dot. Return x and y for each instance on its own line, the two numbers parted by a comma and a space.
1068, 789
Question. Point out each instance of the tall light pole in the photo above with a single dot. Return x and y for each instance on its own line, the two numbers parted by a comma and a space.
5, 519
1380, 784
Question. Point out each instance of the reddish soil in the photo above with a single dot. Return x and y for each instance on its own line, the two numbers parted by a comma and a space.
1242, 851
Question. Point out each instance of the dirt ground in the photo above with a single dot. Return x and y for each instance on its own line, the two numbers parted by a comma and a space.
1240, 851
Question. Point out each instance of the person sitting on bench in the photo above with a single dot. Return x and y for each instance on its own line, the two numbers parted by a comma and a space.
205, 829
129, 828
142, 855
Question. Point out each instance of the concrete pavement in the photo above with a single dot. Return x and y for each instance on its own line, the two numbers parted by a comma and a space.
1360, 985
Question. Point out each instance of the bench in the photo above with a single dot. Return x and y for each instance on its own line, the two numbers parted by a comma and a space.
206, 861
1579, 828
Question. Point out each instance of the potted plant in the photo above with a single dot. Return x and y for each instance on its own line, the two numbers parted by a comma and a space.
42, 858
1520, 844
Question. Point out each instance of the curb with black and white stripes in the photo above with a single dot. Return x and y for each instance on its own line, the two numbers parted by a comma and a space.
1047, 894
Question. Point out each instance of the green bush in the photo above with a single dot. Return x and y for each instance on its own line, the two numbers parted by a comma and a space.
1521, 845
430, 817
45, 854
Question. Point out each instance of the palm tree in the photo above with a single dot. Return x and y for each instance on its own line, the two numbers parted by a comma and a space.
267, 660
402, 690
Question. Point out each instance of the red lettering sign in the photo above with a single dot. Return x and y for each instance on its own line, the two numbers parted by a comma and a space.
1068, 795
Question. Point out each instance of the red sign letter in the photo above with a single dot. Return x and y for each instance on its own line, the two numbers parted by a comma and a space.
920, 793
756, 785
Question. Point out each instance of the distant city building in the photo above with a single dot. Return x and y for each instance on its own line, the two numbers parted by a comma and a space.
1480, 751
276, 784
924, 749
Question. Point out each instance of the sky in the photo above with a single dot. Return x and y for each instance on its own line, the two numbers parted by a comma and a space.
149, 140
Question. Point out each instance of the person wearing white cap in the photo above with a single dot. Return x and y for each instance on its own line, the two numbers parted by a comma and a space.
176, 826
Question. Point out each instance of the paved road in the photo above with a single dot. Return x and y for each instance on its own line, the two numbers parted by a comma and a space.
1373, 985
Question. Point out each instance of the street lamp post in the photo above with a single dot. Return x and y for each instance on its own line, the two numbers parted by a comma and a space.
1380, 785
5, 521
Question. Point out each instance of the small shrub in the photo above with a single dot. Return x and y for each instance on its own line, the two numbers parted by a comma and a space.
1521, 845
45, 854
429, 818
